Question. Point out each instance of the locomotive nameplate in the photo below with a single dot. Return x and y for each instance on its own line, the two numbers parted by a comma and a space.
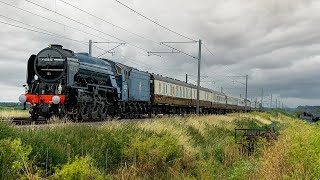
49, 59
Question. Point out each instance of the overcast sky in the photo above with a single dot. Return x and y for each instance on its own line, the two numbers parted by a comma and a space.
275, 42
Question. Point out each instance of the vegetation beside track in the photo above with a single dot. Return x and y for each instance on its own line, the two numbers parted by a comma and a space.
10, 112
178, 148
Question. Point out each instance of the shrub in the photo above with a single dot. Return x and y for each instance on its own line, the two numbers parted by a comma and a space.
6, 130
14, 159
240, 169
153, 153
246, 123
81, 168
196, 137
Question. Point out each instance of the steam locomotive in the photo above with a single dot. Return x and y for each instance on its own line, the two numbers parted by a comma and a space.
63, 83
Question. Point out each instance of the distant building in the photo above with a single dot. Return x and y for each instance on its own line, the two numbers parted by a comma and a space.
310, 116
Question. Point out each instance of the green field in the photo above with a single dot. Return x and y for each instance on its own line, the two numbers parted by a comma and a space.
9, 112
165, 148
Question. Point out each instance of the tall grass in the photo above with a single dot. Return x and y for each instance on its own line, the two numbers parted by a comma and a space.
167, 148
8, 113
296, 155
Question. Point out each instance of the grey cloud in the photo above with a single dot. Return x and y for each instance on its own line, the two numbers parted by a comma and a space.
275, 42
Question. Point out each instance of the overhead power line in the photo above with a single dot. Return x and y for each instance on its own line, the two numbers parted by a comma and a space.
62, 37
76, 29
55, 35
204, 45
119, 27
153, 20
180, 51
224, 65
43, 31
85, 25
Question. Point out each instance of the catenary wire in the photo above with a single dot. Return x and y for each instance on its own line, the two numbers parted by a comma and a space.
13, 25
138, 47
119, 27
153, 21
76, 29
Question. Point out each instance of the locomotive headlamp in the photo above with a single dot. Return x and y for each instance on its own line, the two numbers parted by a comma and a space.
59, 89
26, 89
22, 98
55, 99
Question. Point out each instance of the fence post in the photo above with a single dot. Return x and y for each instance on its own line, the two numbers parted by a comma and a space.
121, 158
68, 152
82, 151
47, 161
92, 152
107, 160
135, 157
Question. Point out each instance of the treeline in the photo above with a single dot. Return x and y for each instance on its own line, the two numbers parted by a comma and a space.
10, 104
311, 109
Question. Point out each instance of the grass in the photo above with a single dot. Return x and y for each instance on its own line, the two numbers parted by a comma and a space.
10, 112
166, 148
296, 154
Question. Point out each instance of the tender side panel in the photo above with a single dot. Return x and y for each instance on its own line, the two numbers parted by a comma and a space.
139, 86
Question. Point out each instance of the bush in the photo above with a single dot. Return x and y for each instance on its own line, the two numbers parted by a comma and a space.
240, 169
6, 130
14, 159
246, 123
153, 153
81, 168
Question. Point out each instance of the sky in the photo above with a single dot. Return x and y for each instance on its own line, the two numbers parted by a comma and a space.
275, 43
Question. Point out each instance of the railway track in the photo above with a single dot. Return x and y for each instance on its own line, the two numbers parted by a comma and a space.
27, 121
43, 121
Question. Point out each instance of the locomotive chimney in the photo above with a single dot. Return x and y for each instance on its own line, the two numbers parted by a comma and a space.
57, 46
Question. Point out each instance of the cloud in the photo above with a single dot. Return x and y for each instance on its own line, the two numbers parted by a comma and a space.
275, 42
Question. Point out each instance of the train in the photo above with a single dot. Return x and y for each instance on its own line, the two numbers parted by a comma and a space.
63, 83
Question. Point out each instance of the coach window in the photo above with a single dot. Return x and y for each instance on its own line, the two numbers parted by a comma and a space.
188, 96
163, 88
166, 88
177, 91
173, 90
183, 92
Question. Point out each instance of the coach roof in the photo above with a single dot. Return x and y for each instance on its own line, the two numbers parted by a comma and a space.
182, 83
